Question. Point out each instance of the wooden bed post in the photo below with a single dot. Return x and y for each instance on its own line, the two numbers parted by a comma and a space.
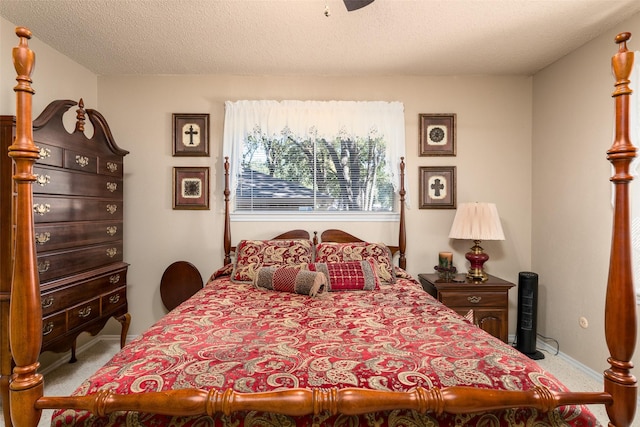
25, 326
227, 219
402, 232
620, 317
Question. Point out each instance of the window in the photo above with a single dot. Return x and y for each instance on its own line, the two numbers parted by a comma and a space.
312, 157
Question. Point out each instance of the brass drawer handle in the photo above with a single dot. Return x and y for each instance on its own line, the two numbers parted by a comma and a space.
111, 252
82, 161
474, 299
112, 208
45, 152
112, 186
42, 238
47, 302
41, 209
112, 230
113, 299
43, 180
114, 279
84, 312
112, 167
47, 329
43, 266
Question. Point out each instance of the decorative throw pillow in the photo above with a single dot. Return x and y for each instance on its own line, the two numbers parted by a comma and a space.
358, 251
349, 275
291, 279
253, 254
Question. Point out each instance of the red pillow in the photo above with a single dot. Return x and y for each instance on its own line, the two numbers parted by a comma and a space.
357, 251
253, 254
349, 275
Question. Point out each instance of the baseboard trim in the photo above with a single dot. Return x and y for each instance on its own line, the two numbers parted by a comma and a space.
573, 362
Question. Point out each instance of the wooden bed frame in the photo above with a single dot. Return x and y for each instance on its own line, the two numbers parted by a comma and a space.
27, 386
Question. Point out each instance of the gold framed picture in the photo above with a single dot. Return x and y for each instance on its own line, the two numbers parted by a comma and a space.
437, 134
437, 187
191, 188
191, 135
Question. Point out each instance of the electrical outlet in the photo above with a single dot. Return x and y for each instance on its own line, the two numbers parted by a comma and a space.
584, 323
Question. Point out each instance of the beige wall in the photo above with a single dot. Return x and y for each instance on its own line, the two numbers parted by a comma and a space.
493, 164
573, 124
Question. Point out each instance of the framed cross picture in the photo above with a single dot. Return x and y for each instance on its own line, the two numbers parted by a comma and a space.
437, 134
190, 188
437, 187
190, 135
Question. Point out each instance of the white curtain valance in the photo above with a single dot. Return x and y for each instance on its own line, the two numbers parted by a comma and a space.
318, 119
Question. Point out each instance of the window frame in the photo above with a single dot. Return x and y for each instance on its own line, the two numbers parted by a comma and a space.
233, 142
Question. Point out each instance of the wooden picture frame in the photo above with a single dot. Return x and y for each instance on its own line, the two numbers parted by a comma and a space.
437, 134
191, 135
190, 188
437, 187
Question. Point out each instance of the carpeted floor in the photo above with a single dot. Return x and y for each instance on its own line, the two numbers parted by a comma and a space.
65, 378
575, 379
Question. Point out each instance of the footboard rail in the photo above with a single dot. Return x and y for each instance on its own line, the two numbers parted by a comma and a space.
299, 402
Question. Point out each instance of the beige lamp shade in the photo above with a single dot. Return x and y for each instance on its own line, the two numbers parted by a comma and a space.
477, 221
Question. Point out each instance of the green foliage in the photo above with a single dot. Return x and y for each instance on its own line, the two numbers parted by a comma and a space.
346, 173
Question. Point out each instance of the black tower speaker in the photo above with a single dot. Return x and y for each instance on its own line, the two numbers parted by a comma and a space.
527, 315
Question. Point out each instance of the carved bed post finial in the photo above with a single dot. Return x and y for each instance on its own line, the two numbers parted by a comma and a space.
27, 384
620, 317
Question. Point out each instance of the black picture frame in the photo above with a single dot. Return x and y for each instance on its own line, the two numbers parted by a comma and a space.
438, 134
437, 187
190, 188
190, 135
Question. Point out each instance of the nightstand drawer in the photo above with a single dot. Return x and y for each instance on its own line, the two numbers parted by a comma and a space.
479, 299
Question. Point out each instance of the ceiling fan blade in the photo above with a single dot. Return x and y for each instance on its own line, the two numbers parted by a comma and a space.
356, 4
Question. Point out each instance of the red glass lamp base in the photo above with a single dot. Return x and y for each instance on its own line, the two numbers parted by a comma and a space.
476, 257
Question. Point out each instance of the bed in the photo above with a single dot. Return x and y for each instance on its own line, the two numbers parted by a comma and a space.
272, 343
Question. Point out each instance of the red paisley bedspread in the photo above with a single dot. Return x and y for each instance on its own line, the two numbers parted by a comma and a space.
231, 335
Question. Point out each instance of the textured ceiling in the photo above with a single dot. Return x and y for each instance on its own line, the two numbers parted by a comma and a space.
399, 37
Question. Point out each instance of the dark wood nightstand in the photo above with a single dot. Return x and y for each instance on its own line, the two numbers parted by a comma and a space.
489, 300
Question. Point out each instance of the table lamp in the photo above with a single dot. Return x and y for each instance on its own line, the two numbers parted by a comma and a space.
477, 222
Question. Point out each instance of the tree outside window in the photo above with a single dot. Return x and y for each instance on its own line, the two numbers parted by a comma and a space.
314, 157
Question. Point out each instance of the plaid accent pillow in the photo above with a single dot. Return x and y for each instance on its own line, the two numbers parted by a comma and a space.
330, 252
291, 279
349, 276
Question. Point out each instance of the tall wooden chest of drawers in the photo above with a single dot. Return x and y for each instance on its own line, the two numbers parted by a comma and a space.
78, 216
